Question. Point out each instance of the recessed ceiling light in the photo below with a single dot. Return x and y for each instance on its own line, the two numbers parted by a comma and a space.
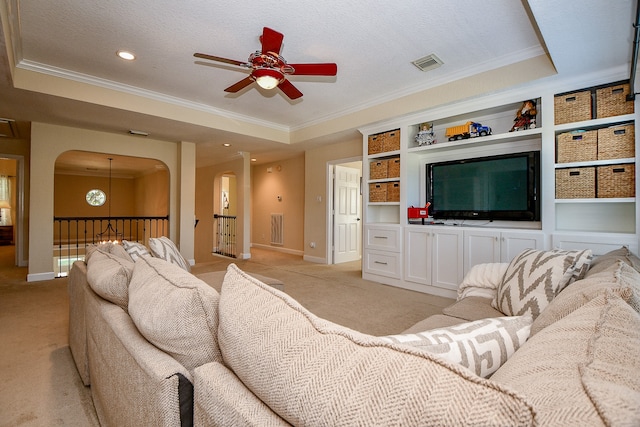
254, 160
226, 144
126, 55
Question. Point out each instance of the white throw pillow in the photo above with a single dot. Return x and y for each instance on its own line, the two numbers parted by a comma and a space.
482, 346
164, 248
135, 249
535, 277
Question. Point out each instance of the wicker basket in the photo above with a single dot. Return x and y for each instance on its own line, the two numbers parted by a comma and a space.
378, 169
612, 101
393, 192
576, 183
616, 142
378, 192
572, 107
577, 146
617, 181
376, 143
391, 140
394, 168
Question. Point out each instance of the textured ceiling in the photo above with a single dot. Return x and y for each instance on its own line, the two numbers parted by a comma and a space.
373, 43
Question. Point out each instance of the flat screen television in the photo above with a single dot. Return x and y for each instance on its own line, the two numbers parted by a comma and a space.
503, 187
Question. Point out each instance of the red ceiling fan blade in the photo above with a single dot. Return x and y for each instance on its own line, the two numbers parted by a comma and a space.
290, 90
323, 69
271, 40
240, 85
219, 59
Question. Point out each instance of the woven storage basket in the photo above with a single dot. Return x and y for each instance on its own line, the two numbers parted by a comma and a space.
378, 192
572, 107
616, 142
576, 183
394, 168
378, 169
612, 101
617, 181
391, 140
376, 143
393, 192
577, 146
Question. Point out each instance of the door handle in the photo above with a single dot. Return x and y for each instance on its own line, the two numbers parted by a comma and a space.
357, 219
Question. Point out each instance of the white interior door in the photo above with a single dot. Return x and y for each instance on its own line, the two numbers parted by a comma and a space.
347, 236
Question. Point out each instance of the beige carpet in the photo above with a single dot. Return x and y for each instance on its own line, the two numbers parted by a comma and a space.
41, 387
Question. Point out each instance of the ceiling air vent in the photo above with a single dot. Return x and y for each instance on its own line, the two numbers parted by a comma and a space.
429, 62
8, 128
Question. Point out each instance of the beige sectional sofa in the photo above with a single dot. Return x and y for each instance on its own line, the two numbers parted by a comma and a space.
159, 346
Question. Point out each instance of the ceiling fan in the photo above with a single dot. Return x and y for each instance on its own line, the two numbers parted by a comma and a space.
269, 69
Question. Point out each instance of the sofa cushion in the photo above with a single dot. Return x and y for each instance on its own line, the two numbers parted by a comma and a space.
603, 262
109, 247
482, 346
109, 276
175, 311
222, 400
135, 249
619, 277
583, 368
472, 308
434, 322
164, 248
340, 377
534, 277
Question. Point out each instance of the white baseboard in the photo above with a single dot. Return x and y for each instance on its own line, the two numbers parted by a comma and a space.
277, 249
316, 259
38, 277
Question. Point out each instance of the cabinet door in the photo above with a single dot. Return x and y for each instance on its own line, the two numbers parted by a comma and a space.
418, 256
513, 242
480, 247
447, 258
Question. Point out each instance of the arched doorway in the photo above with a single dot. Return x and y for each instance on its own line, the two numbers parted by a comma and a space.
225, 215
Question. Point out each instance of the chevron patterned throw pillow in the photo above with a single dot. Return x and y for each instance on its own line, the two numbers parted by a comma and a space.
535, 277
163, 247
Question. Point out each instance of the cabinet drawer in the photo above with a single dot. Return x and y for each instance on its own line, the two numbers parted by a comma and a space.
382, 263
383, 238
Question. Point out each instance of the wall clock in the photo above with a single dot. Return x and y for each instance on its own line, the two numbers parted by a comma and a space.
96, 197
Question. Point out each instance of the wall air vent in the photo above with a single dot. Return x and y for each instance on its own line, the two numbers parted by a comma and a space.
427, 63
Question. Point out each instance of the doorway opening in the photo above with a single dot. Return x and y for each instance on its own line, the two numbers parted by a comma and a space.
225, 216
345, 211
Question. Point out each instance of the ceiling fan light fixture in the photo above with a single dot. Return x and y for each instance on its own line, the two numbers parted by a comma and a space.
267, 78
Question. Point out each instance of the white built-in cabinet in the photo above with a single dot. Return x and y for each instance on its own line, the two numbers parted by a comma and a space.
435, 258
485, 246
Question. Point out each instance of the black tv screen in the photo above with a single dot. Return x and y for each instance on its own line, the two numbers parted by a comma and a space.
503, 187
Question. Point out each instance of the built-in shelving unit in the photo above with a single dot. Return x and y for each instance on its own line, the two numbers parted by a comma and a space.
433, 258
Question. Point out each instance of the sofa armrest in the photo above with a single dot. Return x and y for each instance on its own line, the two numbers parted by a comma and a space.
222, 399
132, 381
77, 287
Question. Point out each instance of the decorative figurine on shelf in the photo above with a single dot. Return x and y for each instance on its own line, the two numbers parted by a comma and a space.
525, 116
425, 135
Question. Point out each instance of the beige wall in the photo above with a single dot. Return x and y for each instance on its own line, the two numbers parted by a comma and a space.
315, 213
287, 180
151, 196
70, 191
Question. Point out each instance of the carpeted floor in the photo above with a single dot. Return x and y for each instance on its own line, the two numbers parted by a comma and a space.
41, 387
